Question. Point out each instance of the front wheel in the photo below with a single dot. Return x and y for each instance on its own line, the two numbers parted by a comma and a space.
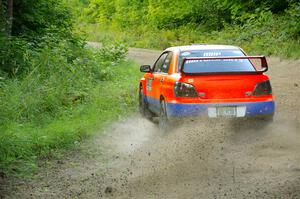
143, 107
163, 123
142, 104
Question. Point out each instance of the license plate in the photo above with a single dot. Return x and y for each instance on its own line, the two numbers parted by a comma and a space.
226, 111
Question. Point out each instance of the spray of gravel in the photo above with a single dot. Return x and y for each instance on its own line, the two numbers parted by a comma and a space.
205, 159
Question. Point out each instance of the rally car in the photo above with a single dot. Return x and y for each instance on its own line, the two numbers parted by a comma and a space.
212, 81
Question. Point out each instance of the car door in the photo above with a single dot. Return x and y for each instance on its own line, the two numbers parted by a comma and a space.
160, 71
153, 84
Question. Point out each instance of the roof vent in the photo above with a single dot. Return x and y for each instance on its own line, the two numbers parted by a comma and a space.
198, 44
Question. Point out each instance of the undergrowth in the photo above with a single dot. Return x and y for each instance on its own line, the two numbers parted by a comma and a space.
66, 94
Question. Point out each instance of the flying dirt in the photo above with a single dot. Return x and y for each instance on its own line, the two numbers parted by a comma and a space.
200, 159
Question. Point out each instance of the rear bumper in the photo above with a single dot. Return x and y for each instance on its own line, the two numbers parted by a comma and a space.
250, 109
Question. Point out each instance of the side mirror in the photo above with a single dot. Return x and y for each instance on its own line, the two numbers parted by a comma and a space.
145, 68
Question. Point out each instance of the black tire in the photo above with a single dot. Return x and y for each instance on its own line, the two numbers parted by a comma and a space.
259, 122
142, 104
266, 120
163, 122
143, 107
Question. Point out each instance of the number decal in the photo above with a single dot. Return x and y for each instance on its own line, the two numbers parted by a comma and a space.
149, 84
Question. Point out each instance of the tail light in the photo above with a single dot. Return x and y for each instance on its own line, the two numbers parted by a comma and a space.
184, 90
263, 88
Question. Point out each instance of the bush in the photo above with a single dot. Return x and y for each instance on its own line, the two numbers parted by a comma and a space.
12, 52
113, 52
65, 92
36, 18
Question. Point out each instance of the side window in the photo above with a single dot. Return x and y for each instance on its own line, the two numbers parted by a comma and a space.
165, 67
158, 64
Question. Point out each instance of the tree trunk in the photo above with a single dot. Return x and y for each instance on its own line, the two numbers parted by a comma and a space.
10, 5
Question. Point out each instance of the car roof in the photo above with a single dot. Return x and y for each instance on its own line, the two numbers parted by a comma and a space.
202, 47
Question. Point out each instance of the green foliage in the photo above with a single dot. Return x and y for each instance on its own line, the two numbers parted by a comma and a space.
113, 52
129, 13
36, 18
239, 9
173, 14
12, 51
61, 67
100, 11
76, 7
3, 20
54, 89
161, 14
292, 28
257, 26
36, 23
66, 93
165, 14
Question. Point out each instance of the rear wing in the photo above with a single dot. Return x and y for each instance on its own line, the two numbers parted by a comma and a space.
260, 67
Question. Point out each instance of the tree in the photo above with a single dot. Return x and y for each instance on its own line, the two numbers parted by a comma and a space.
10, 6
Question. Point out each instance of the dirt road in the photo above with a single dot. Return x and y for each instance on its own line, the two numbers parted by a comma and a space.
199, 160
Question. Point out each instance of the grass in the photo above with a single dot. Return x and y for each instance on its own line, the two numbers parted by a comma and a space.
23, 142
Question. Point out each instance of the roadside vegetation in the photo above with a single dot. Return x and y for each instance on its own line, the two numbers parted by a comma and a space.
54, 89
265, 27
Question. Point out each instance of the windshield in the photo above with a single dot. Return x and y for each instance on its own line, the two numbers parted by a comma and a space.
218, 65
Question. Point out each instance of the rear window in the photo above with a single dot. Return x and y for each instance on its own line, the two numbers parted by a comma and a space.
218, 65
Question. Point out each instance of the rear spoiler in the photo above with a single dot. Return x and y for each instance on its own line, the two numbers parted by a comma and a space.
264, 64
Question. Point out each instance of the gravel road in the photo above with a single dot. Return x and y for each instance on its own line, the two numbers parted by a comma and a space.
202, 159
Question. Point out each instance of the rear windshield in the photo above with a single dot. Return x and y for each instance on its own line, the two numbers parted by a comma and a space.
219, 65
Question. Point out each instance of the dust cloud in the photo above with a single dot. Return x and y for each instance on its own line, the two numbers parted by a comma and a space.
209, 159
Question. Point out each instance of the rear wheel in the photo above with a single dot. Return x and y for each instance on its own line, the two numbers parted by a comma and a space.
163, 123
268, 119
260, 122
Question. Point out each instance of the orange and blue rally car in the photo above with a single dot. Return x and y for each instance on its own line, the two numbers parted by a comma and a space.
213, 81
